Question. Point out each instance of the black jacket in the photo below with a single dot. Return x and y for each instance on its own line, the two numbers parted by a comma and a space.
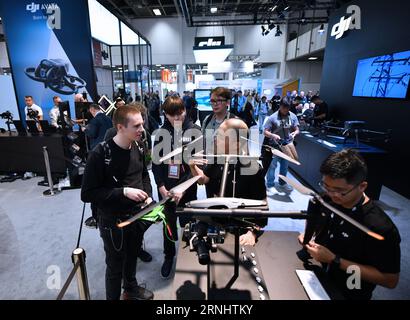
160, 171
106, 175
96, 129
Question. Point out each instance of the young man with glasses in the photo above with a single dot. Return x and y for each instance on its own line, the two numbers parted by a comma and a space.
340, 246
220, 102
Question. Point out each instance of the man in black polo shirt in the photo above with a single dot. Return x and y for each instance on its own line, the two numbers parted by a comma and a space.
344, 250
320, 112
248, 175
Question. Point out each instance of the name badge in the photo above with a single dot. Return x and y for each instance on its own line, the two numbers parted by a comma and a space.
173, 171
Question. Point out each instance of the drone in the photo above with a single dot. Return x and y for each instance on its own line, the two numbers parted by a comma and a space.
202, 238
54, 74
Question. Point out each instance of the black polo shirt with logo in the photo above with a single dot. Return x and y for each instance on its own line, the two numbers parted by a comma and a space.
351, 243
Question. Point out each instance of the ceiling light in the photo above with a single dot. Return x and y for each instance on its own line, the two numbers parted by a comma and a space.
313, 58
157, 12
273, 8
321, 29
214, 10
286, 8
158, 65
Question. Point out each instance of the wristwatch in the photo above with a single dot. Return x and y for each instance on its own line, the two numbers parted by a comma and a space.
336, 262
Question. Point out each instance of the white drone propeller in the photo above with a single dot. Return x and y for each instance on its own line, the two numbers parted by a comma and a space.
275, 152
177, 189
304, 190
178, 150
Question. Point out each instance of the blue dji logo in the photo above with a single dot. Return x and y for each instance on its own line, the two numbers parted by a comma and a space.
33, 7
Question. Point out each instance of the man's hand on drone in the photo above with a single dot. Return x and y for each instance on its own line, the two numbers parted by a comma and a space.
176, 196
198, 162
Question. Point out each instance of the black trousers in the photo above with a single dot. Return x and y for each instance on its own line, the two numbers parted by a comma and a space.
169, 240
266, 159
121, 246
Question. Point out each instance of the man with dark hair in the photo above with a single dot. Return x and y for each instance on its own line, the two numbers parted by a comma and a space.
170, 174
32, 111
280, 130
220, 101
341, 247
98, 126
320, 112
116, 180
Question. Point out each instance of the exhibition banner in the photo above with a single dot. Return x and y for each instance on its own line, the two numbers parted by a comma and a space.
49, 46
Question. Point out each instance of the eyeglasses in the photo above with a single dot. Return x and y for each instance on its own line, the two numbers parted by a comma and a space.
219, 101
343, 194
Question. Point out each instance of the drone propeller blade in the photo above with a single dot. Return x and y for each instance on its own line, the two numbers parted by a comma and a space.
298, 186
171, 154
178, 189
276, 152
193, 141
280, 154
178, 150
185, 185
142, 213
352, 221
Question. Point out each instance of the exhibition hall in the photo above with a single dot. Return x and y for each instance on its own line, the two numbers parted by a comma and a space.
204, 150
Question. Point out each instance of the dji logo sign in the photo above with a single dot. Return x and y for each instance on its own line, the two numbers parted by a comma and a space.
209, 43
33, 7
352, 22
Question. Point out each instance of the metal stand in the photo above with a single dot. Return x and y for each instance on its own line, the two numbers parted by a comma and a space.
51, 191
224, 176
82, 281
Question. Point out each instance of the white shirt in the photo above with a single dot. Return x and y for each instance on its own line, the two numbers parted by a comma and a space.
54, 113
35, 108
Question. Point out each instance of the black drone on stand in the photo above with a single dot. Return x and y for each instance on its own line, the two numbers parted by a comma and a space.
54, 74
9, 117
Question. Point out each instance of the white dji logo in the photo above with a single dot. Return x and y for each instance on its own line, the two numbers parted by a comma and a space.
33, 7
352, 22
209, 43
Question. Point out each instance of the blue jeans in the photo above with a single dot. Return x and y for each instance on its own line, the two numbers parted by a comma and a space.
261, 119
283, 170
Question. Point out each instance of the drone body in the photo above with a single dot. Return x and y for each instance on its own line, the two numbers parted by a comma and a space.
222, 202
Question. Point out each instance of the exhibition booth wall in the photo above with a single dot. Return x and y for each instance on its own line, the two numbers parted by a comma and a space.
383, 34
49, 50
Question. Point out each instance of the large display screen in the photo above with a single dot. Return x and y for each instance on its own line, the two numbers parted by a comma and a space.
203, 98
384, 76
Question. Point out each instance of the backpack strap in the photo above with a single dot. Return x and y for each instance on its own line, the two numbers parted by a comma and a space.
107, 153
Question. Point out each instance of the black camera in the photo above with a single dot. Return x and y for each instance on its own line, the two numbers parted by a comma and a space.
203, 238
32, 114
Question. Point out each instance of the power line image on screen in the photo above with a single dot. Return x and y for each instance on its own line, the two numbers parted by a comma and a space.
384, 76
